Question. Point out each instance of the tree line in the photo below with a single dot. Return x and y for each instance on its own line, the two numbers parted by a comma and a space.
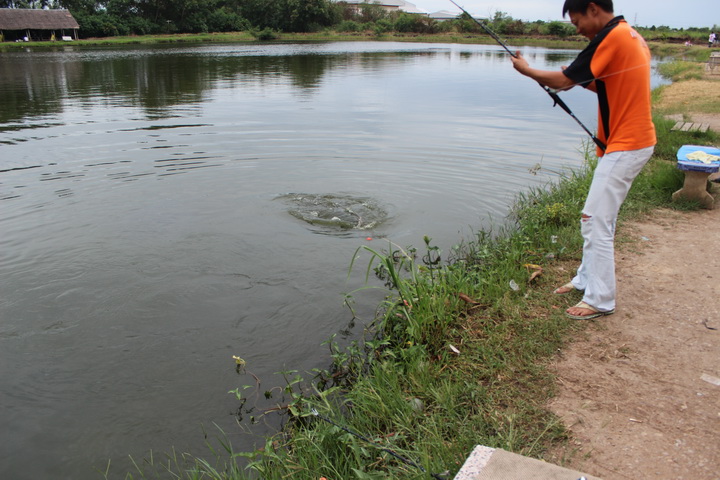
106, 18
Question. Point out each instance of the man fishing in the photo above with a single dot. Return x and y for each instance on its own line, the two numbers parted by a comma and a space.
616, 66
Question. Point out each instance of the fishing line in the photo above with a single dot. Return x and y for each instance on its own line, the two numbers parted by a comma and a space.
406, 461
553, 93
602, 77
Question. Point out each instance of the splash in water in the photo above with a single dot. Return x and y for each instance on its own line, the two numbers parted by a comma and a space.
335, 211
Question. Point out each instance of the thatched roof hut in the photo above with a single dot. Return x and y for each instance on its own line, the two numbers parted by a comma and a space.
31, 24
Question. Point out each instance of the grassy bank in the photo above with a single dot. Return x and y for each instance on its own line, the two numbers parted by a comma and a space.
457, 356
325, 36
698, 53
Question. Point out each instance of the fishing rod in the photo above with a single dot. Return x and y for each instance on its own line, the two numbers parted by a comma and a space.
376, 445
553, 93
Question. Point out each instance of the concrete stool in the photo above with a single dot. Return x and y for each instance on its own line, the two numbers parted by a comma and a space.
696, 175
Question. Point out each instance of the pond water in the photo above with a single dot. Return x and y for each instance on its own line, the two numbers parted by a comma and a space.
165, 208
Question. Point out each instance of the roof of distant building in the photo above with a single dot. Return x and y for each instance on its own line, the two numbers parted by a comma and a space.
400, 4
444, 15
28, 18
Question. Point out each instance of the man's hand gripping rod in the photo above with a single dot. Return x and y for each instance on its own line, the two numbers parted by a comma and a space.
553, 94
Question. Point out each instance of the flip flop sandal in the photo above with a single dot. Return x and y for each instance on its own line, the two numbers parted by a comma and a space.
568, 286
596, 313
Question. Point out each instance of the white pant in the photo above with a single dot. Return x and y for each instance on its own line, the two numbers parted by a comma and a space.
611, 182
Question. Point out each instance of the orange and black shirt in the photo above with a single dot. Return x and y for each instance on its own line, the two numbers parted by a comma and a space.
616, 64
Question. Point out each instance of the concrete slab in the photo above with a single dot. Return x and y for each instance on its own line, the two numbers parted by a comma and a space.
485, 463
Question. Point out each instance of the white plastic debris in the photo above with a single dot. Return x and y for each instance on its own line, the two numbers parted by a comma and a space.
710, 379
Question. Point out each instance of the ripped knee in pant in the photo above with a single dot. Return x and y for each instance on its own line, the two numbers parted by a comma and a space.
585, 217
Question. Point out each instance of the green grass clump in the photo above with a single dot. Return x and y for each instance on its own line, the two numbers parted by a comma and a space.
681, 70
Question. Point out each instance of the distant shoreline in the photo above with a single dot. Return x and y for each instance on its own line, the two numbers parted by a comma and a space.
665, 45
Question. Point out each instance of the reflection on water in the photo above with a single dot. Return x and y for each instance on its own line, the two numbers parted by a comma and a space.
144, 229
158, 80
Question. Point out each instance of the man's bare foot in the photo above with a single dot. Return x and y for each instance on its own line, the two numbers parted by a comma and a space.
583, 311
567, 288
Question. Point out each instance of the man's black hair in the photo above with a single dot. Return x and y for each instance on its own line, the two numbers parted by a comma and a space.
581, 6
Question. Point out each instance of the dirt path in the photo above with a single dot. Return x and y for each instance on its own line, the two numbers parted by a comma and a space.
638, 393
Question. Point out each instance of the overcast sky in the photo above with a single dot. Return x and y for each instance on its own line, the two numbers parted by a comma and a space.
645, 13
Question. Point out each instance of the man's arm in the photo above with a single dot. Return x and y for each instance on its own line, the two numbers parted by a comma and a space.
552, 79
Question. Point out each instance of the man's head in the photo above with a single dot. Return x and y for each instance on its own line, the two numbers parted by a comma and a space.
581, 6
589, 16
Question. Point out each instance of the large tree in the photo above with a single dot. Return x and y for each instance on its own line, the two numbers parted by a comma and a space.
80, 6
262, 13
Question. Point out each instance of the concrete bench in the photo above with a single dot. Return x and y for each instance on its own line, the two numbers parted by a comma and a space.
690, 127
696, 175
713, 64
